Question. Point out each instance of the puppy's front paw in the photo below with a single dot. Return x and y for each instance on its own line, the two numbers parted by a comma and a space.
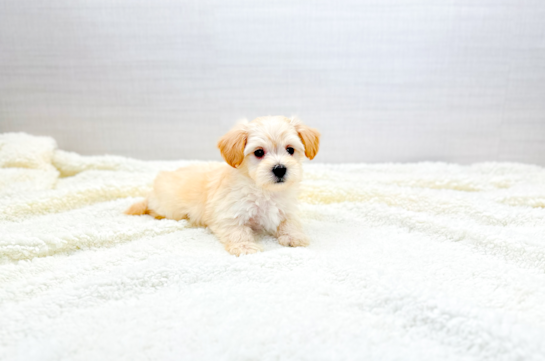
293, 241
242, 248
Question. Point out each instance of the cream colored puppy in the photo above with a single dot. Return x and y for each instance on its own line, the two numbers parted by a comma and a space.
256, 191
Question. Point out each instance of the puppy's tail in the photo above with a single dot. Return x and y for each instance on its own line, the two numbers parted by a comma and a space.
138, 208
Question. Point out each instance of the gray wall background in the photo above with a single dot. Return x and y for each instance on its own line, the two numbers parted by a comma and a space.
384, 80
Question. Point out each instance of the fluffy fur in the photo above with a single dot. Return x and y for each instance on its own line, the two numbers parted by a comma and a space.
243, 196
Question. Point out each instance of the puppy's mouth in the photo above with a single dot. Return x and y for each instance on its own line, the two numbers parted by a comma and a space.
280, 180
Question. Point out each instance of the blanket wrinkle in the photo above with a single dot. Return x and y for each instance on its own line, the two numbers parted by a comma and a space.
421, 261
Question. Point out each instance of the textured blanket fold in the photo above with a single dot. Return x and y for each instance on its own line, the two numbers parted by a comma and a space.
426, 261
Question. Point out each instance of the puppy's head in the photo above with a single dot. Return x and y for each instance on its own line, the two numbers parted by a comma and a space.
270, 150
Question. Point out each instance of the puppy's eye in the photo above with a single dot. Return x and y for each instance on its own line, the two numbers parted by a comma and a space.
290, 150
259, 153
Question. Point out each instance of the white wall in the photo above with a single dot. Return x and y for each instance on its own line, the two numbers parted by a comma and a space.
384, 80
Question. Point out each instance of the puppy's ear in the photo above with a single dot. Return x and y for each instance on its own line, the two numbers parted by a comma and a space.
232, 145
310, 138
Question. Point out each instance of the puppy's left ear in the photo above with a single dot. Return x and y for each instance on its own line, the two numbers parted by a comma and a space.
310, 138
232, 146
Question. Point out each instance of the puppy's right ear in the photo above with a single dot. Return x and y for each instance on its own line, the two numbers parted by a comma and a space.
232, 146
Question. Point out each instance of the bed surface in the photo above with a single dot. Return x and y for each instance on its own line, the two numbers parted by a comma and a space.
426, 261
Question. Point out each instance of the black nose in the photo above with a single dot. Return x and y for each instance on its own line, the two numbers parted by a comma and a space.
279, 171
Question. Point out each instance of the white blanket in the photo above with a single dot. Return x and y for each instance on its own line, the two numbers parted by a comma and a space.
426, 261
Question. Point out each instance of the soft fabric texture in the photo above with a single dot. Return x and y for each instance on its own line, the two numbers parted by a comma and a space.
426, 261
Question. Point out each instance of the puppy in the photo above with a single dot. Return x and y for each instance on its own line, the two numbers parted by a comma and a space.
256, 191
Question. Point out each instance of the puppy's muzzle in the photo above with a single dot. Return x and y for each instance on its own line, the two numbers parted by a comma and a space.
279, 171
